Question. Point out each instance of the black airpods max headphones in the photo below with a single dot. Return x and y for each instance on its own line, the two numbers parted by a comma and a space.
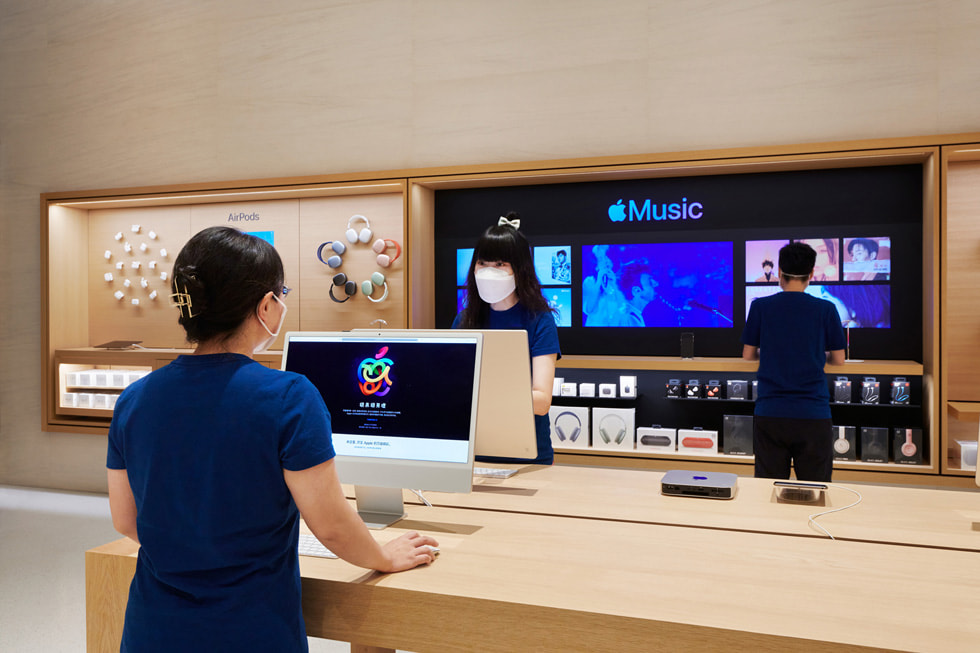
350, 288
573, 436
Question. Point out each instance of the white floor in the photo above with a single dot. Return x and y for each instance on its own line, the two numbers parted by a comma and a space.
43, 539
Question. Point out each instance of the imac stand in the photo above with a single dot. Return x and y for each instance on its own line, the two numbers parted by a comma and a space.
379, 506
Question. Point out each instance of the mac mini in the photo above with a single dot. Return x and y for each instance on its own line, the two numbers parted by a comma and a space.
708, 485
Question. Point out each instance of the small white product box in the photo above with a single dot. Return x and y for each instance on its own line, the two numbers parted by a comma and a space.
613, 429
697, 441
569, 427
586, 389
656, 439
556, 386
607, 389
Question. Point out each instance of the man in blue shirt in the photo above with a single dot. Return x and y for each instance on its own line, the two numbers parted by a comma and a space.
793, 335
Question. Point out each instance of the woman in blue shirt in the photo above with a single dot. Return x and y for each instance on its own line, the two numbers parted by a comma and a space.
213, 458
503, 292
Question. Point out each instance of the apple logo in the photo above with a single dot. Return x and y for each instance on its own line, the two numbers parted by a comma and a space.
617, 211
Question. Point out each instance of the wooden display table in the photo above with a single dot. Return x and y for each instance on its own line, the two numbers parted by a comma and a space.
886, 514
513, 581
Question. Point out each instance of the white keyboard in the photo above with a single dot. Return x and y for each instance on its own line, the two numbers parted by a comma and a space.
493, 472
310, 546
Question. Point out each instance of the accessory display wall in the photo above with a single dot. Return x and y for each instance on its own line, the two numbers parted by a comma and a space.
109, 260
74, 267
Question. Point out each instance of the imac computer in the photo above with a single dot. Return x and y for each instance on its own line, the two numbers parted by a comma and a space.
403, 407
505, 421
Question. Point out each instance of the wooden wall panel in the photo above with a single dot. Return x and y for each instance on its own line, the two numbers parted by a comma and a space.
962, 292
326, 219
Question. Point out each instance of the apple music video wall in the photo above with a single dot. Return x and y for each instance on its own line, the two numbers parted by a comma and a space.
631, 265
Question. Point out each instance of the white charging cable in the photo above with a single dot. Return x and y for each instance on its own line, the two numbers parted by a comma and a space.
813, 518
421, 497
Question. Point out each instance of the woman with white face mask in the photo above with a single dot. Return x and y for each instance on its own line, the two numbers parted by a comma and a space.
212, 459
503, 292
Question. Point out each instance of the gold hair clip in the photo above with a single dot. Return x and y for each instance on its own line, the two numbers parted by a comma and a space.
182, 300
515, 223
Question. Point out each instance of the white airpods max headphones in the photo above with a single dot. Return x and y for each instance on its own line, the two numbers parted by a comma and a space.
364, 235
841, 445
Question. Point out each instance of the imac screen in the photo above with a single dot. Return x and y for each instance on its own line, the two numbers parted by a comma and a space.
399, 420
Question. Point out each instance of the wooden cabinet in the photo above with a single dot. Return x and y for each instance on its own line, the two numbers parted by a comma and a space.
961, 305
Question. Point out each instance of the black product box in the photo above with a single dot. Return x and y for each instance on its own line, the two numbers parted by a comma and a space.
907, 446
870, 390
738, 389
842, 390
712, 390
693, 389
874, 444
900, 390
736, 438
674, 389
845, 443
755, 388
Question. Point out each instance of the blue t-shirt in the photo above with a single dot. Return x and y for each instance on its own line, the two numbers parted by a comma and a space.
793, 331
542, 340
204, 441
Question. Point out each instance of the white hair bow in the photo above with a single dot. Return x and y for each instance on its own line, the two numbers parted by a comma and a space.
515, 223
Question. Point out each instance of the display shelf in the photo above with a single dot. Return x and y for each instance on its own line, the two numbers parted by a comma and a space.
567, 454
722, 364
106, 367
965, 411
748, 460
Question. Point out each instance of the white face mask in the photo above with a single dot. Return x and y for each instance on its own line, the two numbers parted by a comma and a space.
494, 284
265, 344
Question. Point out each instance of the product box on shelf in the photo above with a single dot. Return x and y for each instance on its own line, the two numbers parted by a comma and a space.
874, 444
569, 427
656, 438
842, 390
870, 390
613, 428
907, 445
693, 389
712, 390
697, 441
963, 454
845, 443
736, 435
900, 391
738, 389
675, 389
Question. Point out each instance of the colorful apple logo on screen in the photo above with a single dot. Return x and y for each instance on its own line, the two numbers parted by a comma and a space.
617, 211
372, 374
